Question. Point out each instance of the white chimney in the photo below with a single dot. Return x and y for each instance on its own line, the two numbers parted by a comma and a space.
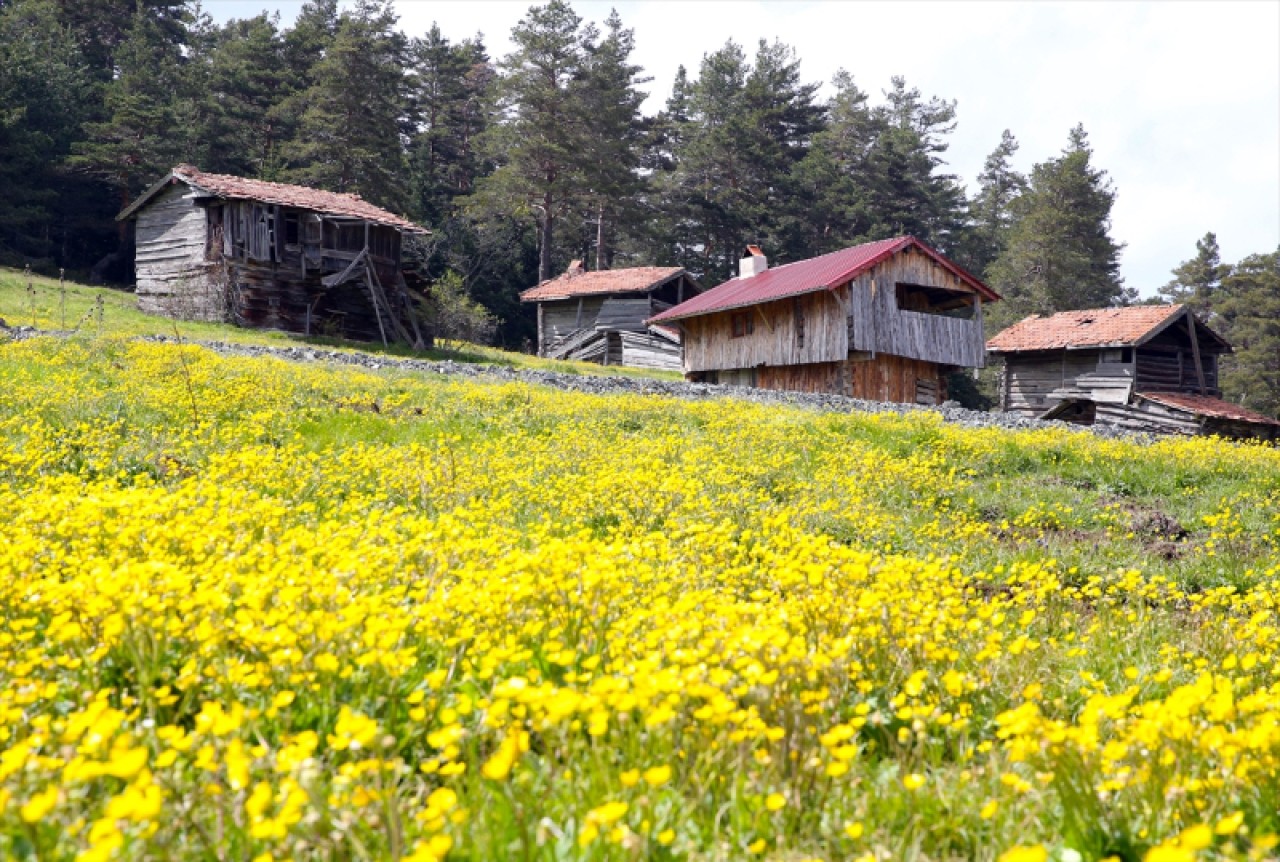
753, 264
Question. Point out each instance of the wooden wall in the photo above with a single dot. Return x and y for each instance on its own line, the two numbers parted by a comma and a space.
213, 260
709, 344
1167, 363
1031, 383
884, 378
173, 277
897, 379
877, 325
562, 318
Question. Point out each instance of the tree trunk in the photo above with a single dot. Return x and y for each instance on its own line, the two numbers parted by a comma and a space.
544, 241
601, 257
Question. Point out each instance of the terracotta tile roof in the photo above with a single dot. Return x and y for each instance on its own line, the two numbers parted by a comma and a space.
809, 276
281, 194
636, 279
1203, 405
1097, 327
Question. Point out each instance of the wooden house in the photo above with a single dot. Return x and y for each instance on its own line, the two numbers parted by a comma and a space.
261, 254
1145, 367
886, 320
601, 316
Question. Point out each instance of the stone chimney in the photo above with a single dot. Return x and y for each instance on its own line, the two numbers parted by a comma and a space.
753, 264
575, 268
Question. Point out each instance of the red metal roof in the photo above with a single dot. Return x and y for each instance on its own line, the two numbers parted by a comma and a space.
1097, 327
636, 279
1203, 405
281, 194
808, 276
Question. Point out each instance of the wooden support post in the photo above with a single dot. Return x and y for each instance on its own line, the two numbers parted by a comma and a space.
373, 297
1195, 351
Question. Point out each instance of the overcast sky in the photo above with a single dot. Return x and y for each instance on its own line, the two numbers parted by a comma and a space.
1181, 99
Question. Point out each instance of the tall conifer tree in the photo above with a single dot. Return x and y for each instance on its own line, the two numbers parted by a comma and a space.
350, 136
1060, 254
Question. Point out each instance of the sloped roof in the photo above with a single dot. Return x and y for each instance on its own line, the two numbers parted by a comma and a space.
1096, 327
1203, 405
636, 279
825, 272
281, 194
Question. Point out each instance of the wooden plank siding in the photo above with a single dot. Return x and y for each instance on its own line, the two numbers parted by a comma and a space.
709, 343
877, 325
173, 277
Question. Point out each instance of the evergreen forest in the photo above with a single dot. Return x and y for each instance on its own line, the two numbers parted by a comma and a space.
519, 164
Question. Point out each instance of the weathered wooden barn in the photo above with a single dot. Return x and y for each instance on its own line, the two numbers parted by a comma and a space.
1146, 368
887, 321
600, 316
219, 247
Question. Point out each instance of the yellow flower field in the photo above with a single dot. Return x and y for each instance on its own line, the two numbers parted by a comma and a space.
255, 610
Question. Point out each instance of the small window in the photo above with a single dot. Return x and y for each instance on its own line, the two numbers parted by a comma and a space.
1123, 355
291, 229
798, 310
742, 324
934, 300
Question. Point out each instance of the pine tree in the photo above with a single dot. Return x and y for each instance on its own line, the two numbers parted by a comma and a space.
452, 99
350, 136
613, 139
540, 148
991, 209
1198, 281
235, 86
737, 178
1247, 310
132, 146
1060, 254
834, 173
45, 94
909, 193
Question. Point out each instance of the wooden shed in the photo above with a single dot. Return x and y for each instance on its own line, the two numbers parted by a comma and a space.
886, 321
219, 247
1145, 367
600, 316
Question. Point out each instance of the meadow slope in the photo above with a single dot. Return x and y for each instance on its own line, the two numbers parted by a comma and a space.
259, 610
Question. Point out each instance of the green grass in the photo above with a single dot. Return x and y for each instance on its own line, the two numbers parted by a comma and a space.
44, 303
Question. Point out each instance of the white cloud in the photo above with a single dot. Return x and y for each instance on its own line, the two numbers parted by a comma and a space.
1181, 100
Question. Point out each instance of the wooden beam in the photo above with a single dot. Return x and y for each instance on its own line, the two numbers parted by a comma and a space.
765, 319
1195, 351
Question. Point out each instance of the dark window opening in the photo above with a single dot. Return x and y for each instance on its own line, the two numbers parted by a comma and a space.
742, 324
291, 229
935, 300
215, 238
798, 308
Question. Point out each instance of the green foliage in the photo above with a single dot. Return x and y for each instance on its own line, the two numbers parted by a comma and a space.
1198, 281
349, 136
45, 93
1249, 311
456, 318
124, 149
1059, 253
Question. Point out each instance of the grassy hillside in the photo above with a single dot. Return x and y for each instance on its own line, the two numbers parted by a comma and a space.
51, 305
257, 610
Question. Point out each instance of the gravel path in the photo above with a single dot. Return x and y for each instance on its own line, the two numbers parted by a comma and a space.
603, 385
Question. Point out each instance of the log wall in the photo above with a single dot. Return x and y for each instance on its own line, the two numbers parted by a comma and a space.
206, 259
173, 277
877, 325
